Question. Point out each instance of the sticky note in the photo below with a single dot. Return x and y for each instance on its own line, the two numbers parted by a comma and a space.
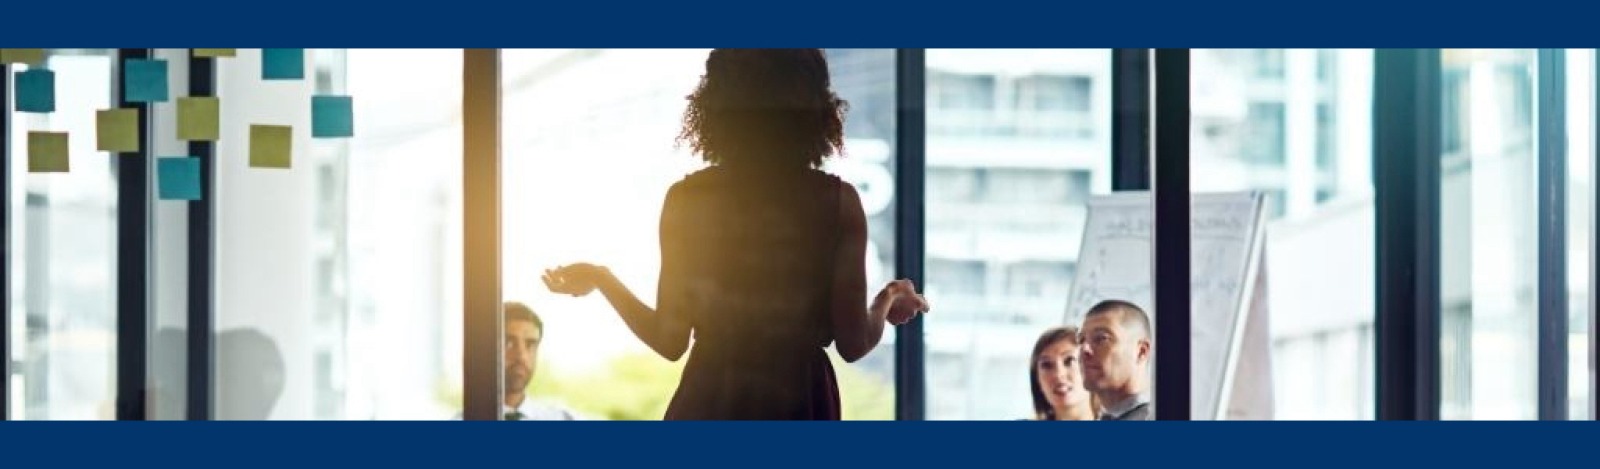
197, 118
145, 81
178, 178
22, 56
47, 152
214, 52
283, 64
36, 91
269, 146
330, 117
117, 130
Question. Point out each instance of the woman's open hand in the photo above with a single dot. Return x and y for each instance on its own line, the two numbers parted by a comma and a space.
575, 279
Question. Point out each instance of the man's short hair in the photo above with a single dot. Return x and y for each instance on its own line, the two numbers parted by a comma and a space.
520, 312
1132, 316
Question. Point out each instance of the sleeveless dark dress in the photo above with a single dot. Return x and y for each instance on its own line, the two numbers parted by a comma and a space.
759, 250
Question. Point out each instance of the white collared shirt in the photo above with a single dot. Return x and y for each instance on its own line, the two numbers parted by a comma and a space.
539, 411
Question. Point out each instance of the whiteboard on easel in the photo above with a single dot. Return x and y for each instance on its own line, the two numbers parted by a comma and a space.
1226, 242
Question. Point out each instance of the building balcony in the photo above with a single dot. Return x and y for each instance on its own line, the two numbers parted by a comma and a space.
1013, 123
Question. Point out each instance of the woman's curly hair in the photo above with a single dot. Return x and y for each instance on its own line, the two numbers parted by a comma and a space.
769, 107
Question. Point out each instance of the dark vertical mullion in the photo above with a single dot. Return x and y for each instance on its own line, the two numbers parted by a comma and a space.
133, 255
1552, 213
481, 189
1170, 247
909, 227
1130, 119
1407, 143
5, 242
201, 291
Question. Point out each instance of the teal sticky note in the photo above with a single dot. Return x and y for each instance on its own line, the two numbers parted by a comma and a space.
36, 91
145, 81
283, 64
331, 117
178, 178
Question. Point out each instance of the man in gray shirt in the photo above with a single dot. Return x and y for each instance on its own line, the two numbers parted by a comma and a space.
1116, 355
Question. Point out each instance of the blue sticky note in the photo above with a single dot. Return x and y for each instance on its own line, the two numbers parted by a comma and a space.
178, 178
283, 64
331, 117
36, 91
145, 81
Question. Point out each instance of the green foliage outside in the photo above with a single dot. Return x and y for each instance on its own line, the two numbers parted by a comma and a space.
639, 386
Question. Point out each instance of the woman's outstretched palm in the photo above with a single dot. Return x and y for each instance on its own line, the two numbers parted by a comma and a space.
574, 279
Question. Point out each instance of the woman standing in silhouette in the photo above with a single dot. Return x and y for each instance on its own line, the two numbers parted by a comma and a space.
763, 255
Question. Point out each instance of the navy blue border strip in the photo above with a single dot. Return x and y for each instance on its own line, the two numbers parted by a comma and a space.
1406, 158
1170, 249
200, 355
1552, 232
133, 256
794, 444
1236, 23
911, 96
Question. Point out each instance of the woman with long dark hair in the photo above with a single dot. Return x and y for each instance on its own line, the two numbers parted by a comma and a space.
763, 255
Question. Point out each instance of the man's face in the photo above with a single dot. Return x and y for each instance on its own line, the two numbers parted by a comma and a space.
522, 354
1111, 353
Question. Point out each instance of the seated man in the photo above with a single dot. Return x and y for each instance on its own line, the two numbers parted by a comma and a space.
1116, 354
524, 331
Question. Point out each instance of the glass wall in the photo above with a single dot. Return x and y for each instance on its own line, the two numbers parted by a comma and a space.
338, 279
1488, 225
1296, 125
64, 252
1580, 228
1018, 140
392, 348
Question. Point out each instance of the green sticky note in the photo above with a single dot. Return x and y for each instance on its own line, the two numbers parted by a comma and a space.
47, 152
22, 56
331, 117
214, 52
197, 118
36, 91
270, 145
144, 81
117, 130
283, 64
178, 178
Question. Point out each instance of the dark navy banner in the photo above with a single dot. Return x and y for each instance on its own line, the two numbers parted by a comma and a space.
885, 445
824, 23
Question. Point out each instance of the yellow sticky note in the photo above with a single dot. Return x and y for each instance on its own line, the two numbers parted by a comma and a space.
47, 152
214, 52
269, 146
22, 56
197, 118
117, 130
